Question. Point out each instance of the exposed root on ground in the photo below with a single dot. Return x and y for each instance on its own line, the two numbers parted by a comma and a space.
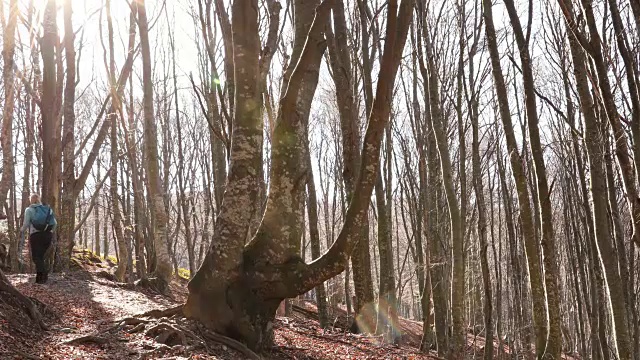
169, 327
9, 294
154, 284
27, 356
166, 333
106, 275
87, 339
227, 341
168, 312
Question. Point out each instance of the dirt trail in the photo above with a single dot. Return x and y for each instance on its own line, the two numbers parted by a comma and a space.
76, 305
81, 303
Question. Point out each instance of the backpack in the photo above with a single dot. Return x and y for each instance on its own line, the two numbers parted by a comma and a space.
43, 218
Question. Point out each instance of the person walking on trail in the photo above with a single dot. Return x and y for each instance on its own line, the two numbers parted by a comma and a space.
41, 222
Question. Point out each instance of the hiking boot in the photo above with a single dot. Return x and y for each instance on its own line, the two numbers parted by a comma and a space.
39, 278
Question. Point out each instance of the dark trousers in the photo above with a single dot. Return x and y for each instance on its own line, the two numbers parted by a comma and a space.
40, 242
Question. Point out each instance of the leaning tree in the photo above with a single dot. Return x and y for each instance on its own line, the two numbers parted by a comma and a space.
244, 277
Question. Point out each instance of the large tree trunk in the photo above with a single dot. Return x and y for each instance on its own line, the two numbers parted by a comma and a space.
436, 248
114, 110
51, 166
67, 208
7, 181
435, 244
73, 186
239, 314
237, 290
30, 137
163, 270
364, 308
285, 204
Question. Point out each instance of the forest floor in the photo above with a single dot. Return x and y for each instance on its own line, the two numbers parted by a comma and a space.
84, 312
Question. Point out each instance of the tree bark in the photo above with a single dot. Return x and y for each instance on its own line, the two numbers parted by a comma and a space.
482, 230
51, 143
312, 210
423, 253
8, 52
285, 203
387, 322
364, 311
67, 207
163, 270
230, 315
253, 290
123, 254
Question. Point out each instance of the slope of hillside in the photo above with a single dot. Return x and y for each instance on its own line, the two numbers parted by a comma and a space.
91, 317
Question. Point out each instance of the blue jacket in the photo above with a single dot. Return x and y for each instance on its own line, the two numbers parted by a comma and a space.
28, 215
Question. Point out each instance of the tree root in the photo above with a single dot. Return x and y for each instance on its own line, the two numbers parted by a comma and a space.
154, 284
22, 301
168, 333
168, 312
137, 328
87, 339
194, 336
131, 321
26, 355
165, 333
167, 330
76, 263
232, 343
113, 281
106, 275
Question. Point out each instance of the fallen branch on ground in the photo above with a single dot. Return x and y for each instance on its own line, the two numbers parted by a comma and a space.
87, 339
168, 312
305, 312
153, 314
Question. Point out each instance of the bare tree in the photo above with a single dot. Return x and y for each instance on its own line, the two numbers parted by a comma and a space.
8, 79
163, 271
594, 143
227, 250
526, 217
551, 273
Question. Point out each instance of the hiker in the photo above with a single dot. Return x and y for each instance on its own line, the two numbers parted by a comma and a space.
40, 222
